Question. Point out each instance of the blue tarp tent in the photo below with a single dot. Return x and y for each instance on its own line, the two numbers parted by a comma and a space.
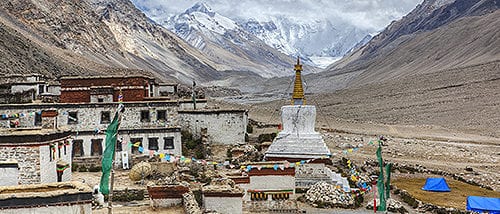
483, 204
436, 185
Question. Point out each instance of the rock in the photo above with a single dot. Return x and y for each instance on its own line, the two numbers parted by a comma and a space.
468, 169
325, 195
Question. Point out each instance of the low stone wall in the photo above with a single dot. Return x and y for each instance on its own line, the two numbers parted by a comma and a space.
86, 164
285, 206
421, 169
128, 195
426, 207
190, 204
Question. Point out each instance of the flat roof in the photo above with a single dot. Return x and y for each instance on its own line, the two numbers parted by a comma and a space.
31, 136
49, 194
105, 77
54, 106
212, 111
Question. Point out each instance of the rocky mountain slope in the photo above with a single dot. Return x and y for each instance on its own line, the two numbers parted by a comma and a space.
95, 37
68, 38
436, 35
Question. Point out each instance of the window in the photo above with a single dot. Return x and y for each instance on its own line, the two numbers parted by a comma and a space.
169, 143
38, 118
96, 148
135, 150
41, 89
77, 148
100, 100
119, 146
145, 116
105, 117
153, 143
161, 115
72, 117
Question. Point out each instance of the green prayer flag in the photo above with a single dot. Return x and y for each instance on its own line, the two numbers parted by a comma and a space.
107, 157
380, 180
388, 180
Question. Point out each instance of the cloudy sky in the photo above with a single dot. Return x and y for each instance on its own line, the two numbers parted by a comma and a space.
371, 15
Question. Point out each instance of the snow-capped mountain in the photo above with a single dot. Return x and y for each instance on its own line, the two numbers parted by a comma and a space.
226, 43
320, 41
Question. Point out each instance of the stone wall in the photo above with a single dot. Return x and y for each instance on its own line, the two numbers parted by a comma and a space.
223, 126
28, 161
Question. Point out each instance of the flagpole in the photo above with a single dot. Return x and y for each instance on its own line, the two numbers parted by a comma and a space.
110, 197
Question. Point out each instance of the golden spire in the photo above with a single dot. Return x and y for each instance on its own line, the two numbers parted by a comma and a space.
298, 92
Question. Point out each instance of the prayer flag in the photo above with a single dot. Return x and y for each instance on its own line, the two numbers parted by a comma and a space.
107, 157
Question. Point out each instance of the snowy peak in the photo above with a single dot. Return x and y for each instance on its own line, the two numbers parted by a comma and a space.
226, 43
200, 7
201, 17
320, 42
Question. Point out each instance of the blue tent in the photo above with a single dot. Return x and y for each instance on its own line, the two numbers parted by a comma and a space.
436, 185
483, 204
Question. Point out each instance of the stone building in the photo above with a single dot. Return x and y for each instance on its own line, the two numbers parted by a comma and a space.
224, 199
22, 88
104, 89
35, 156
152, 124
222, 126
267, 188
152, 119
166, 196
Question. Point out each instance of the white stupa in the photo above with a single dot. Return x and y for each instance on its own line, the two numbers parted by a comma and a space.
298, 140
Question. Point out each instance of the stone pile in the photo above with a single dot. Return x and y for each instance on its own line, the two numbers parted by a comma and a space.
245, 153
190, 204
326, 195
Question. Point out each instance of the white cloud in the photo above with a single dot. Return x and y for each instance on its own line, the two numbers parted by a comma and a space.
371, 15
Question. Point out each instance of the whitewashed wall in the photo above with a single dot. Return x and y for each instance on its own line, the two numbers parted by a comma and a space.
9, 176
223, 127
224, 205
47, 167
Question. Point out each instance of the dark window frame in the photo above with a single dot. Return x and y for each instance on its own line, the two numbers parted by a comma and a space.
72, 114
97, 141
38, 118
105, 117
168, 143
153, 143
161, 115
145, 116
82, 151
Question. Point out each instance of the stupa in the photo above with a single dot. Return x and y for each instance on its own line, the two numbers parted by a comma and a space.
298, 140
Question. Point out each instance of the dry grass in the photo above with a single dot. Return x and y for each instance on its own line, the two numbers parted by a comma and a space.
456, 198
